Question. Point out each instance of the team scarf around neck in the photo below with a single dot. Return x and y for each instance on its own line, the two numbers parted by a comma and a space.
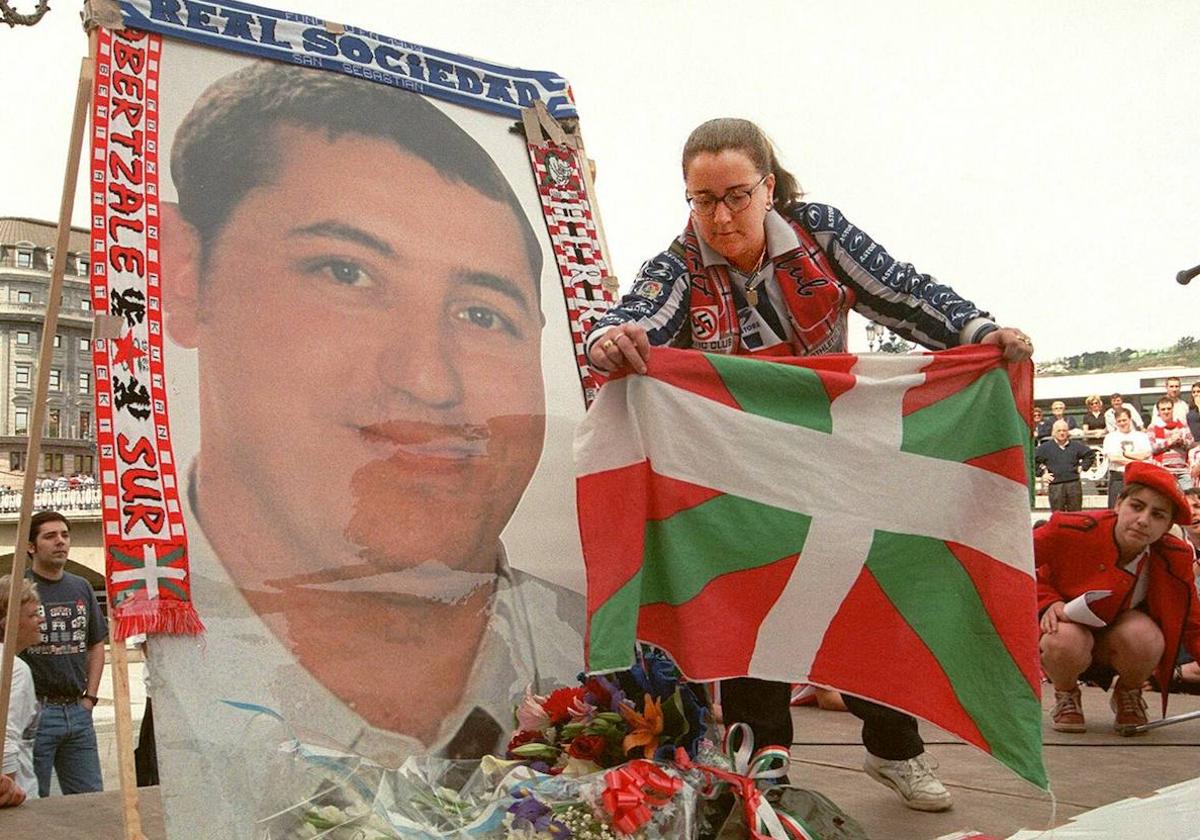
816, 301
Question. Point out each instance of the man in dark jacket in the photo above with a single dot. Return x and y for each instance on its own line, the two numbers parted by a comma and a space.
1063, 458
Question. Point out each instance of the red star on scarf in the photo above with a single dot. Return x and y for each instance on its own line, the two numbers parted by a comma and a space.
127, 352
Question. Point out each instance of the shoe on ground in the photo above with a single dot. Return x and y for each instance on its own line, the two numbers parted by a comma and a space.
912, 779
1129, 710
1067, 714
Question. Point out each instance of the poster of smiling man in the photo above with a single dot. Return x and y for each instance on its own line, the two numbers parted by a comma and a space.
340, 301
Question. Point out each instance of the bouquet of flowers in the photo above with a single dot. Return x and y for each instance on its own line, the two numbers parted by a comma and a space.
645, 712
622, 755
427, 799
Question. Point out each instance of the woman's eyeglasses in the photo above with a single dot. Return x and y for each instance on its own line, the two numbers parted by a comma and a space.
737, 200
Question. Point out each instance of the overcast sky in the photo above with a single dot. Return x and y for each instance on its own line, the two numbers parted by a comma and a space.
1040, 158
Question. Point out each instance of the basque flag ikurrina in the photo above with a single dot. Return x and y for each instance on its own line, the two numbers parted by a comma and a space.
859, 522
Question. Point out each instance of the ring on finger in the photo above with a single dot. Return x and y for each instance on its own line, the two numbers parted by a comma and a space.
604, 345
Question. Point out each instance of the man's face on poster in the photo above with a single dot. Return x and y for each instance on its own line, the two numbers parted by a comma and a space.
368, 334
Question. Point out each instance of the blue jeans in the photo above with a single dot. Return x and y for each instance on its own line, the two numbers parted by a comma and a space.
66, 743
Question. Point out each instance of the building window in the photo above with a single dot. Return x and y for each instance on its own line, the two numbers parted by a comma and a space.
85, 306
54, 423
24, 297
16, 461
24, 258
85, 464
81, 266
21, 421
22, 377
23, 338
85, 381
85, 345
85, 425
55, 378
52, 462
57, 341
50, 261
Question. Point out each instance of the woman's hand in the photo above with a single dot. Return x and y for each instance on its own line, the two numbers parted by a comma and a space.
1016, 345
1054, 613
620, 347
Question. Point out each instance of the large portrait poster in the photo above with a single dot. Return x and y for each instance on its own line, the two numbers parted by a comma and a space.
338, 379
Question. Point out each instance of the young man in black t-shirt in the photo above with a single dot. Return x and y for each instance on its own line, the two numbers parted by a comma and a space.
67, 664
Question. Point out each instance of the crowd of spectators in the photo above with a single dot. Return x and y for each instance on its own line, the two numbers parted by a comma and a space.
79, 492
1121, 436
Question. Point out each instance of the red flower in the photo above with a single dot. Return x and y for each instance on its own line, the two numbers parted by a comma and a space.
523, 738
587, 747
558, 704
601, 697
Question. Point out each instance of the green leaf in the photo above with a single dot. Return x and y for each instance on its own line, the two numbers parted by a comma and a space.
675, 721
318, 822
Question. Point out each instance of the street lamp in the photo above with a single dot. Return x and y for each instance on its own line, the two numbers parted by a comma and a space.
874, 336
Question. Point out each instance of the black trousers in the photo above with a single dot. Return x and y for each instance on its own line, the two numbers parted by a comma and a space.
886, 733
762, 705
145, 757
1116, 483
1066, 495
765, 707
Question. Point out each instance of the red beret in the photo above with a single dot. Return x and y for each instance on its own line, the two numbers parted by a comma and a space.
1156, 478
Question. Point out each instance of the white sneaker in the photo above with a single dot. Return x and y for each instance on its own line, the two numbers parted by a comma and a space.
913, 780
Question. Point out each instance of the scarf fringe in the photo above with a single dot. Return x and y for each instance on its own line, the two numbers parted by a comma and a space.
174, 618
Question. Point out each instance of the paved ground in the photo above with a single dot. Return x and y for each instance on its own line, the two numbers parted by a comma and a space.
1086, 772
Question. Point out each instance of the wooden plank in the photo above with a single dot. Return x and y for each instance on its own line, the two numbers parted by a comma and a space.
124, 732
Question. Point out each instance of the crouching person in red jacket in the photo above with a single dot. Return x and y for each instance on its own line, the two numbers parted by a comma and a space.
1116, 597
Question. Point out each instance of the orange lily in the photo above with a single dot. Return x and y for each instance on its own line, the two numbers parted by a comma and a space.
646, 727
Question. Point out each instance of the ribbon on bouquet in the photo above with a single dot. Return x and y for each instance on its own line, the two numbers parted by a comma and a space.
750, 767
767, 764
632, 789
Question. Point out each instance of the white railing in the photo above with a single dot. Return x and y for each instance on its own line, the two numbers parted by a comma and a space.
63, 499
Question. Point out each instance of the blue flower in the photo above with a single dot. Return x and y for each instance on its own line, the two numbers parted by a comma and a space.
529, 813
653, 673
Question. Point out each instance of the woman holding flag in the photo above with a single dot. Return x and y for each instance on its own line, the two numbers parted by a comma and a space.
759, 271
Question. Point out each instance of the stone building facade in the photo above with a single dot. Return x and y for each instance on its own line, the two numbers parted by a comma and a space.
26, 261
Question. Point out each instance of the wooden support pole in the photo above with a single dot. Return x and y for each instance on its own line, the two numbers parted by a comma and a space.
120, 665
83, 96
124, 734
